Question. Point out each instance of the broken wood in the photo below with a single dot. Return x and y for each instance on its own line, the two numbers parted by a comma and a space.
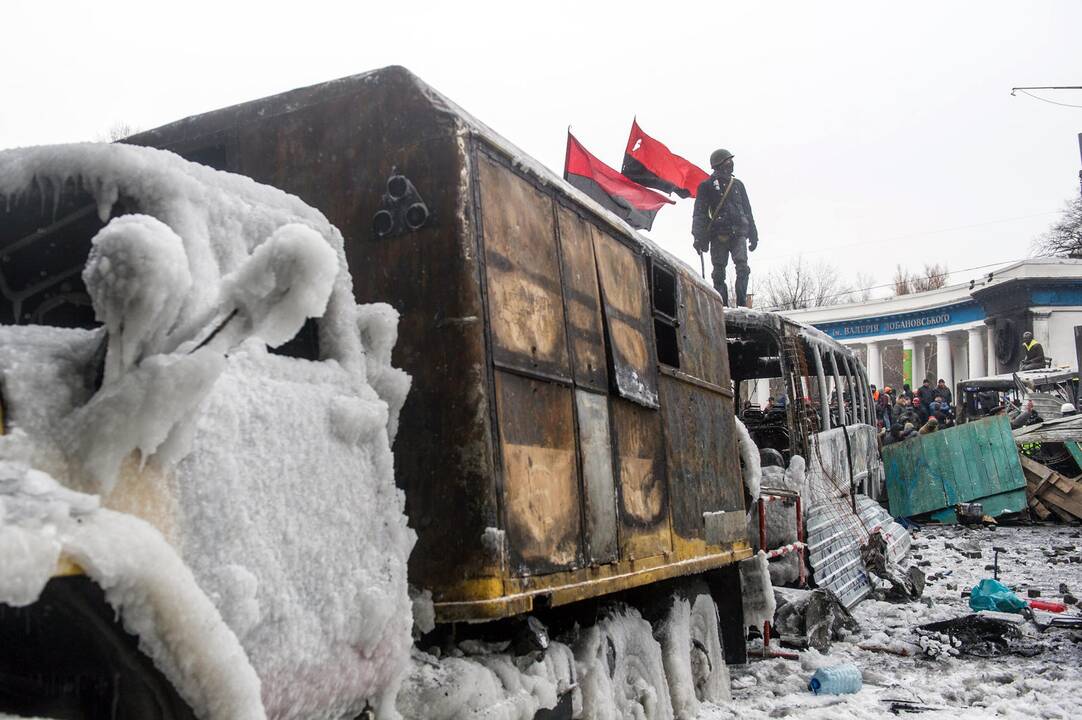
1049, 491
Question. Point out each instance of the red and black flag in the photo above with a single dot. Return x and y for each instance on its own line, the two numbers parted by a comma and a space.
610, 189
650, 163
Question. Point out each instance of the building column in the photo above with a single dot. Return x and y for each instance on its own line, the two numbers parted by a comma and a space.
908, 346
943, 358
977, 353
875, 364
919, 365
959, 359
991, 367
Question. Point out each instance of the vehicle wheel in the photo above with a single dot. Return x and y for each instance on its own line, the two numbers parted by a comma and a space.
692, 651
622, 673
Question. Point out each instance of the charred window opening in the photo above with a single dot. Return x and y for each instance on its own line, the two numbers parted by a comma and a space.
663, 291
304, 345
664, 301
665, 334
44, 244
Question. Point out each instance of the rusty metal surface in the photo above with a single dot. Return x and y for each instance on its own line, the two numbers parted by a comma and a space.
525, 300
575, 476
701, 455
702, 327
628, 325
598, 479
641, 480
582, 300
565, 588
334, 145
540, 480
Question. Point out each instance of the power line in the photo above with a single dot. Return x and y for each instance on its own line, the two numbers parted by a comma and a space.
1052, 102
891, 284
912, 235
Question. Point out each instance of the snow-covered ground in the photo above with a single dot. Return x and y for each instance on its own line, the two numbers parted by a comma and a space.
1048, 685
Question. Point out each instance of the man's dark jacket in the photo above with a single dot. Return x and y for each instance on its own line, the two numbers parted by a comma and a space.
735, 218
926, 394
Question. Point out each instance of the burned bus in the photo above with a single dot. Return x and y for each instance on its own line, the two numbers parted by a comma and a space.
825, 400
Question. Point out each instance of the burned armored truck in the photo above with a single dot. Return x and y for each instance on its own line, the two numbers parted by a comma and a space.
569, 430
569, 434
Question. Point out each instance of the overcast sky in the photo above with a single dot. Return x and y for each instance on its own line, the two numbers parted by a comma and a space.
868, 134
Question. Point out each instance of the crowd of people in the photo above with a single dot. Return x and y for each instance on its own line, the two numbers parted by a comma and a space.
907, 413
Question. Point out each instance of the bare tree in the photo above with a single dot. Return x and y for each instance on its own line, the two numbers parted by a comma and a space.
1064, 238
117, 131
801, 284
862, 289
932, 277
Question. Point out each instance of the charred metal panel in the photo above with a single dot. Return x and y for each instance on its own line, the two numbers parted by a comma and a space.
583, 301
540, 482
643, 490
702, 326
864, 458
828, 469
525, 299
628, 325
595, 454
334, 145
700, 445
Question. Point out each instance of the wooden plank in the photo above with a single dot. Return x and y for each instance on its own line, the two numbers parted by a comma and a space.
540, 474
642, 484
1075, 449
525, 297
961, 464
1038, 507
1071, 502
582, 298
628, 322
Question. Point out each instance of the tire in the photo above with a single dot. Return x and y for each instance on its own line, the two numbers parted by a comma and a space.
692, 651
622, 673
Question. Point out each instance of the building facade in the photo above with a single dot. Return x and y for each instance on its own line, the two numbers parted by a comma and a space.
975, 328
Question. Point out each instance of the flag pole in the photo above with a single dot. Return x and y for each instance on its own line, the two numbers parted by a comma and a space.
702, 265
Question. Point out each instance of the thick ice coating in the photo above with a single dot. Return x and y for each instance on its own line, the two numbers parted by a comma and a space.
251, 532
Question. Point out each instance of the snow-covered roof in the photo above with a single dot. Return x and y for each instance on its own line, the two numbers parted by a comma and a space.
1031, 268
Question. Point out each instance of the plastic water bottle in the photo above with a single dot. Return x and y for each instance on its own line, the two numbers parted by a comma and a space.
836, 680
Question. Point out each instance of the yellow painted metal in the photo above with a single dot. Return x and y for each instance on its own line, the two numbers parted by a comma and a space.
66, 567
572, 586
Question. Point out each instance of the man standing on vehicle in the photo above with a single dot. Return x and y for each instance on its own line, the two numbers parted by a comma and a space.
722, 224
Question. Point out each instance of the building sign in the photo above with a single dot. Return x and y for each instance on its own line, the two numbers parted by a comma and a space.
910, 323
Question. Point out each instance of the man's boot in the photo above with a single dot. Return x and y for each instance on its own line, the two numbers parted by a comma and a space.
724, 295
741, 292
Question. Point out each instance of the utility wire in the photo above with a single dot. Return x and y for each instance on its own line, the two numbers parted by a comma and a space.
910, 235
891, 284
1053, 102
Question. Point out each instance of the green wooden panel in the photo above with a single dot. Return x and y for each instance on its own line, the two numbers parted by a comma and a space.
974, 462
1076, 452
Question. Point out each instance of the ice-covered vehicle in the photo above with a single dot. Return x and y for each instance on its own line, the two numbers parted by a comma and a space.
567, 454
190, 522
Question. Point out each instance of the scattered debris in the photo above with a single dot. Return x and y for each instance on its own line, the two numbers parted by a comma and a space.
905, 584
991, 594
980, 636
811, 618
1050, 493
836, 680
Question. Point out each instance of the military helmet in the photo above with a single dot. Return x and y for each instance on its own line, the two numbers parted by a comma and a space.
720, 156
